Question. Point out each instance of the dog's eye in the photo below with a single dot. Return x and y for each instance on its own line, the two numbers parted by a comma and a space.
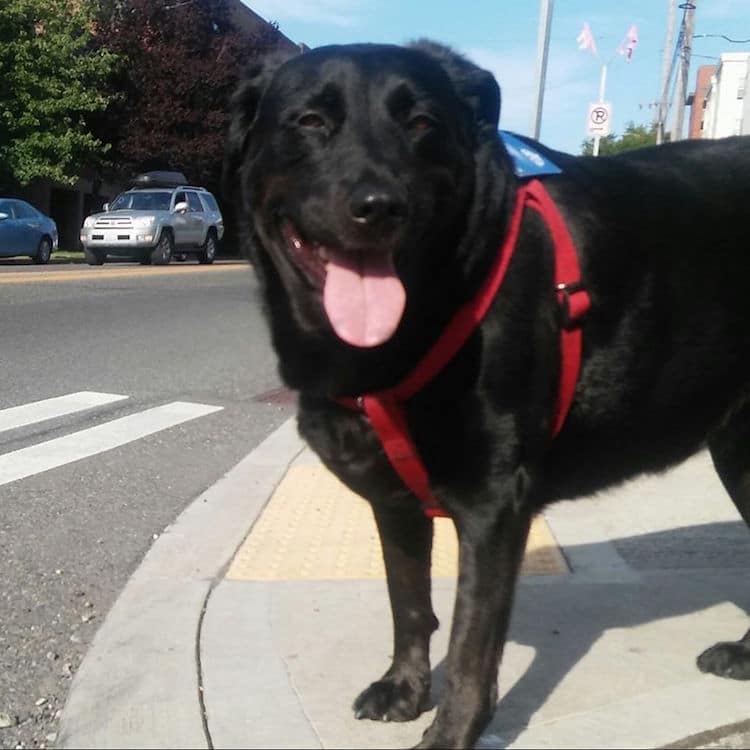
312, 121
421, 124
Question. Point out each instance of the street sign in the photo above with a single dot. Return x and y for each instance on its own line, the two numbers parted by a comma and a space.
598, 121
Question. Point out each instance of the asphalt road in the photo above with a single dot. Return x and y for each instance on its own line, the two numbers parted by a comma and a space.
72, 533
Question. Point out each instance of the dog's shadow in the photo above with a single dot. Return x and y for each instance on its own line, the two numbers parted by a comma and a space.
678, 572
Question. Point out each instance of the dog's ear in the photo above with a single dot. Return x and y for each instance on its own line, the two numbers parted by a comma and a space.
243, 109
477, 87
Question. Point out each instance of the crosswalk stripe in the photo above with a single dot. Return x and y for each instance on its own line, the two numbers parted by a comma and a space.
50, 408
85, 443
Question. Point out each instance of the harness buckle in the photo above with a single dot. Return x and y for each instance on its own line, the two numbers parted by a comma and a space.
574, 303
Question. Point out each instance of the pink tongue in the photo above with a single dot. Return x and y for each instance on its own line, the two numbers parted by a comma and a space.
363, 298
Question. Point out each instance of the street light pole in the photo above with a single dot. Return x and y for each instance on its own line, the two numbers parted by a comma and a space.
602, 89
542, 53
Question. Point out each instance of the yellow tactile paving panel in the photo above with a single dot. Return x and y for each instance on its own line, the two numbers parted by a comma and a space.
315, 528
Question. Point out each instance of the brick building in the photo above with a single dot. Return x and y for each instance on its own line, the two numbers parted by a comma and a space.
698, 101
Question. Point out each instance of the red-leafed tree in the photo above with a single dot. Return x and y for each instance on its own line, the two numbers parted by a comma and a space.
180, 60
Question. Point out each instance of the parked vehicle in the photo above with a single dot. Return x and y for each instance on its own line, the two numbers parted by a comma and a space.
24, 230
158, 218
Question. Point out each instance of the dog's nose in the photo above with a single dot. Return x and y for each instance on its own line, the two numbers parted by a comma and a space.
370, 205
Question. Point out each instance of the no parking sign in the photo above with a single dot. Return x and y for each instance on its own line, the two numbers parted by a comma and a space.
598, 121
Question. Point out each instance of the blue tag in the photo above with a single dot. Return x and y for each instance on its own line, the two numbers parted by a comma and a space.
527, 161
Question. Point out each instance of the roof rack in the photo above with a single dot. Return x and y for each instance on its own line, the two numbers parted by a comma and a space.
159, 179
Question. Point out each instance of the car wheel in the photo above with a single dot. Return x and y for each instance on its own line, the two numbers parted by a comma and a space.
162, 253
44, 251
95, 257
208, 251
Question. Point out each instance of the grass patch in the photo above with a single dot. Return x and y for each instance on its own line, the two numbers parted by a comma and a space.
68, 255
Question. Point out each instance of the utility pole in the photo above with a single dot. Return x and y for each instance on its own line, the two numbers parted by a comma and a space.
542, 53
684, 72
666, 74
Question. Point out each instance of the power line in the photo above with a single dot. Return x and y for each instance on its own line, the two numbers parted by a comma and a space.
722, 36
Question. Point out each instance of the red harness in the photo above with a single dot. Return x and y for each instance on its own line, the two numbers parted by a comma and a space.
385, 409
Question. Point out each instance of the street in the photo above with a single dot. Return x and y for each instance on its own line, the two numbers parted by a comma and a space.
180, 357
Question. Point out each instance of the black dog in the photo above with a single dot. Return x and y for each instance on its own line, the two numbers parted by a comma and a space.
375, 194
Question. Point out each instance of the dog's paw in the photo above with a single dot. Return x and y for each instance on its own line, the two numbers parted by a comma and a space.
391, 699
727, 659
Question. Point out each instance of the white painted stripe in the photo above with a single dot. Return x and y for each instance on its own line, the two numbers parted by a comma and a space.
50, 408
64, 450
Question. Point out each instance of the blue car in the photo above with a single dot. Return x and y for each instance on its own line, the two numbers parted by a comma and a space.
26, 231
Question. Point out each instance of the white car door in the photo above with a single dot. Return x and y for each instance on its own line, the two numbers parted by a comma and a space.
180, 223
195, 218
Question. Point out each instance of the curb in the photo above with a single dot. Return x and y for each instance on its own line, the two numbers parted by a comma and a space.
139, 683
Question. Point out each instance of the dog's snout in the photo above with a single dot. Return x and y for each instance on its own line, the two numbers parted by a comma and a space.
370, 205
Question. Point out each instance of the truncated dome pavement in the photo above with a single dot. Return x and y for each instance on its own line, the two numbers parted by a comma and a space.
314, 528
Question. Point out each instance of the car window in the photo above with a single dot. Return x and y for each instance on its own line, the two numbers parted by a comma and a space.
152, 200
194, 201
209, 201
180, 198
25, 211
6, 207
20, 210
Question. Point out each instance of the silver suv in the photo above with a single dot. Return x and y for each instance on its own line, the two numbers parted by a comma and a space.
158, 218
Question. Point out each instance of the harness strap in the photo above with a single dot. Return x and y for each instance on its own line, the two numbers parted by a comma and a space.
386, 416
385, 409
574, 300
471, 314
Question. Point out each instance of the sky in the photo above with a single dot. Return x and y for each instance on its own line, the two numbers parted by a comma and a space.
501, 36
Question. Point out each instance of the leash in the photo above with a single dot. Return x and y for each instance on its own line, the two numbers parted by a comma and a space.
385, 409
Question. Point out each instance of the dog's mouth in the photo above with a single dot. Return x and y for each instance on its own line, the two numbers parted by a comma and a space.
362, 295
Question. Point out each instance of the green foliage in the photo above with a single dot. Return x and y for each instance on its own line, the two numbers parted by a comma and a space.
50, 78
635, 136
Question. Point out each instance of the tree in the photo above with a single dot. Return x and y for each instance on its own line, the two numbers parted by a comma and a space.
50, 79
181, 60
635, 136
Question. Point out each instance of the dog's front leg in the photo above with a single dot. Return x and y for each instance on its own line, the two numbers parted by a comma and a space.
491, 545
404, 690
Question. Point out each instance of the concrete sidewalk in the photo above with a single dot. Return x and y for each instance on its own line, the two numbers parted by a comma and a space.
257, 618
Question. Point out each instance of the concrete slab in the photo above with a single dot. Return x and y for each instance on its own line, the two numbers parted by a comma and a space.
249, 693
587, 665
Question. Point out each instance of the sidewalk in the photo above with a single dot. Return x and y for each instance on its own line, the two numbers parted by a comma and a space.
261, 613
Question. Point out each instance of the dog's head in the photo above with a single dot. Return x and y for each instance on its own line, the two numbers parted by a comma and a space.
356, 168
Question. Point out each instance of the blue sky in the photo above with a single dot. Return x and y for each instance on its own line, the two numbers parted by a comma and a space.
501, 35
